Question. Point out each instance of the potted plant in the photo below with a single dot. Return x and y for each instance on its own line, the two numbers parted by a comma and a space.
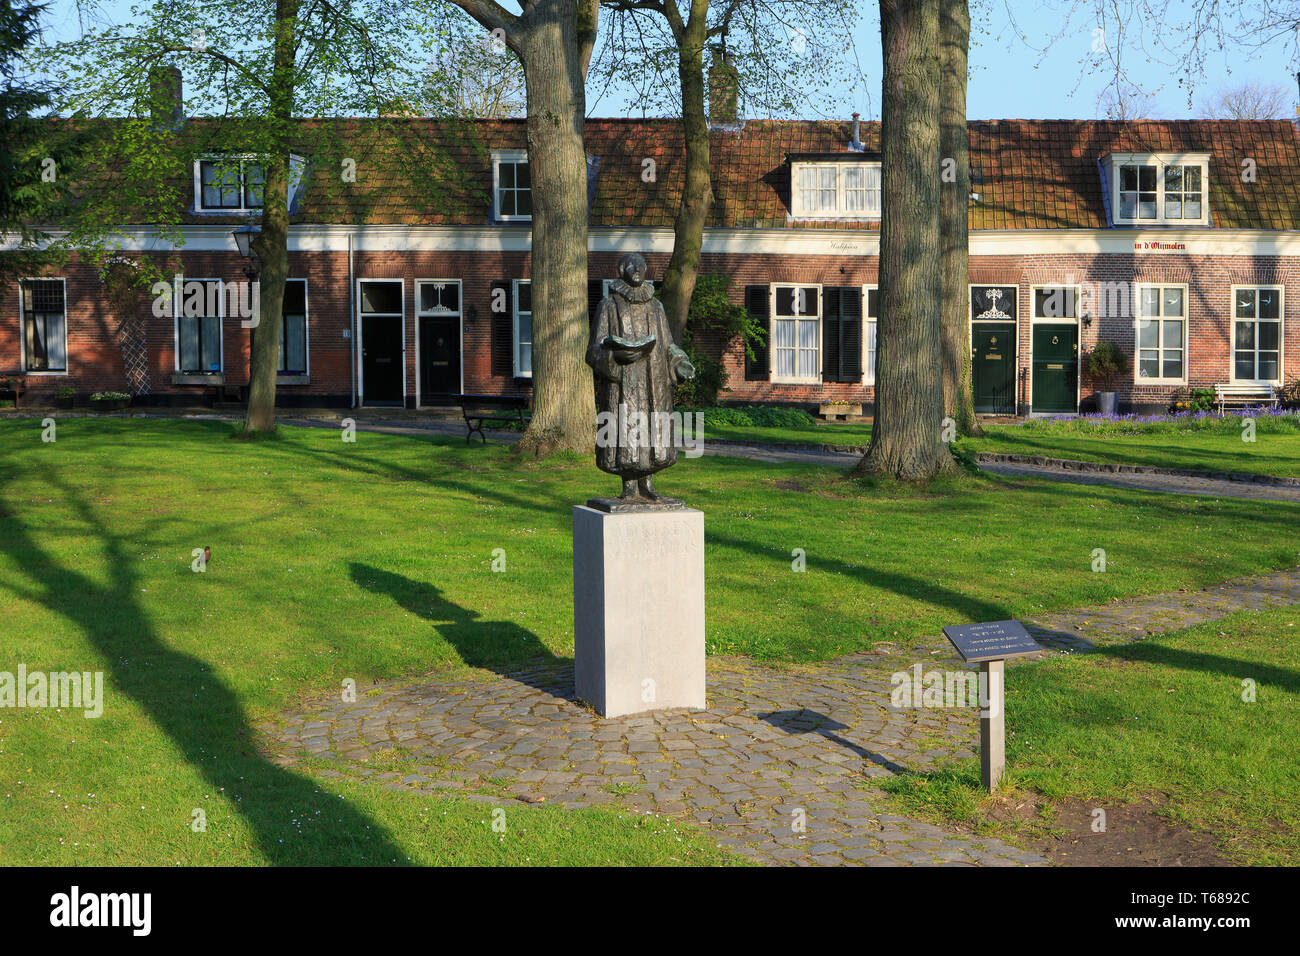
1106, 363
110, 401
63, 398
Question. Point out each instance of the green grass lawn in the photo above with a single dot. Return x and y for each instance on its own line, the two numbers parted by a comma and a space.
373, 561
1165, 715
1214, 446
1275, 450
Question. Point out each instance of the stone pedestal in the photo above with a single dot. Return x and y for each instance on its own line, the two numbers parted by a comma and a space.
638, 609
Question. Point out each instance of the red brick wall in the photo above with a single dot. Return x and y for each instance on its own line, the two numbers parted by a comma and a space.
95, 361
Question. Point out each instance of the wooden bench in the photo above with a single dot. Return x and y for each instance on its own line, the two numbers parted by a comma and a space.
15, 382
1243, 396
498, 409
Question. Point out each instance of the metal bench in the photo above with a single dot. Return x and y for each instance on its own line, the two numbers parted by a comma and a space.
1244, 396
482, 409
15, 382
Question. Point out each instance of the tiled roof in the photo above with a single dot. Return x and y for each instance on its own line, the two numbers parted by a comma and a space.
1030, 174
1043, 174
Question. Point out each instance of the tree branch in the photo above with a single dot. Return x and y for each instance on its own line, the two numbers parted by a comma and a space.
494, 16
235, 64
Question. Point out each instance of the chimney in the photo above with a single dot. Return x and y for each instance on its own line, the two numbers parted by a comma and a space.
166, 97
856, 144
724, 89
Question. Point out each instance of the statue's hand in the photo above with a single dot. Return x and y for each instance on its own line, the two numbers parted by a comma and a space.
685, 370
625, 358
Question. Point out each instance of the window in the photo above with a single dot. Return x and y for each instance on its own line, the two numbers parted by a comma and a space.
1155, 190
293, 328
1257, 334
1183, 192
45, 325
869, 334
836, 190
233, 184
439, 297
198, 327
1161, 327
523, 324
512, 186
1056, 302
796, 333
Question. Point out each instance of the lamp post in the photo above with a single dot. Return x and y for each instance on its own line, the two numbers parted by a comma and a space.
244, 237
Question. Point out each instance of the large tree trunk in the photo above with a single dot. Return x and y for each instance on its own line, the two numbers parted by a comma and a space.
555, 50
697, 191
954, 144
553, 40
906, 440
272, 246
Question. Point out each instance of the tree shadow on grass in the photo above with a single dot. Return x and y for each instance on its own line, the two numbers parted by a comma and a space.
189, 702
909, 586
502, 646
1160, 654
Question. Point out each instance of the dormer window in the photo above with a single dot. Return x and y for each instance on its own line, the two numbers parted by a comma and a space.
512, 186
837, 189
236, 184
1160, 190
231, 184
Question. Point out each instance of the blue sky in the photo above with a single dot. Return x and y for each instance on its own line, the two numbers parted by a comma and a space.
1028, 60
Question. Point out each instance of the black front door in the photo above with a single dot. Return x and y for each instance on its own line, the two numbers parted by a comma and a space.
381, 359
993, 367
439, 360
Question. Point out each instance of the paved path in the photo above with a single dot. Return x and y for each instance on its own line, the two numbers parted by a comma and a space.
1176, 484
781, 765
777, 749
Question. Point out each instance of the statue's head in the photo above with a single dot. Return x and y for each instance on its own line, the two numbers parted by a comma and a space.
632, 268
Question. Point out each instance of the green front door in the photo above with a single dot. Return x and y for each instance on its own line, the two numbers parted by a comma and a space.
1056, 368
993, 367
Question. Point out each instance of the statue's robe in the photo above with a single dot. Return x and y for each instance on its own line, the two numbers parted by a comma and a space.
645, 386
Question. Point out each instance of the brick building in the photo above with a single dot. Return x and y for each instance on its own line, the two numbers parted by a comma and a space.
1179, 241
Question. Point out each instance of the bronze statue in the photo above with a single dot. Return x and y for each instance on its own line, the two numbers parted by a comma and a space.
637, 365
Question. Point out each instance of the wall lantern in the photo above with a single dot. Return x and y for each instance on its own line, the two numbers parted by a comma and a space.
244, 237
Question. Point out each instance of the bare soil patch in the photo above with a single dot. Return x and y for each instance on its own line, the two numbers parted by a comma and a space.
1136, 834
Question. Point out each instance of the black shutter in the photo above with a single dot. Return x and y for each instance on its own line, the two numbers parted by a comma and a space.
851, 334
758, 369
595, 293
832, 346
503, 329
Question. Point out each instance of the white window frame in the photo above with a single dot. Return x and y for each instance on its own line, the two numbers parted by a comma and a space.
1160, 161
446, 313
1281, 334
841, 211
306, 329
869, 366
508, 156
241, 209
1138, 318
22, 329
772, 288
514, 328
178, 305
